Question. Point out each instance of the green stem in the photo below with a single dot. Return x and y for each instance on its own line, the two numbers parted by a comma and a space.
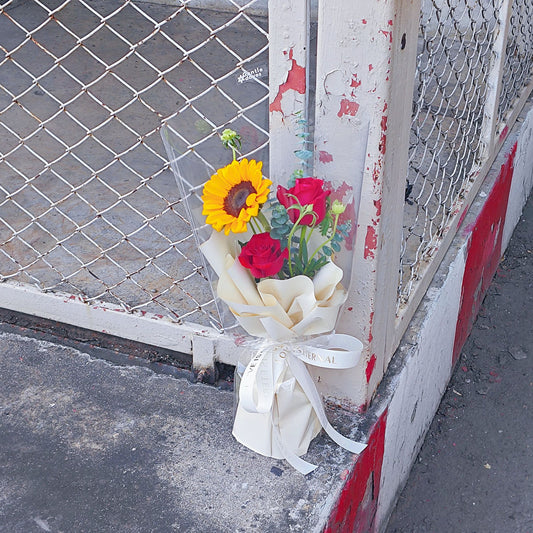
306, 210
327, 241
310, 234
303, 242
252, 226
264, 222
234, 152
289, 241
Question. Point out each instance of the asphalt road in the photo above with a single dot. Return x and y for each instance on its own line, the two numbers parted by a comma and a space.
474, 473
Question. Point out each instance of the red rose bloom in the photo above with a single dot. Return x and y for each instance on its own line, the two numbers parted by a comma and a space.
309, 191
263, 255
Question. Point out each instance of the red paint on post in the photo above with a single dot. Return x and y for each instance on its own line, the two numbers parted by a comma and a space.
384, 119
484, 253
376, 172
387, 34
383, 139
371, 242
295, 81
348, 107
370, 321
504, 133
377, 205
344, 194
325, 157
356, 507
355, 82
370, 368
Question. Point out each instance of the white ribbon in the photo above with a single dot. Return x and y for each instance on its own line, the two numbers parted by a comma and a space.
257, 392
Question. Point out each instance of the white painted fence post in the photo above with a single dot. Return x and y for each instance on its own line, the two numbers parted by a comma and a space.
490, 119
365, 78
289, 23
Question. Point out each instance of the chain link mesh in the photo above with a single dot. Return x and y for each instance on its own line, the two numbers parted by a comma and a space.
518, 56
88, 204
453, 65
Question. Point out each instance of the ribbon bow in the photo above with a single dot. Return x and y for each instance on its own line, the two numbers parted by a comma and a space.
266, 382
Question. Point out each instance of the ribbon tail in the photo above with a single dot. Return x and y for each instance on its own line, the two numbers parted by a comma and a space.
296, 462
256, 391
305, 380
348, 444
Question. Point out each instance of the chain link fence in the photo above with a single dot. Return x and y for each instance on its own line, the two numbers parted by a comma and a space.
453, 65
518, 56
88, 205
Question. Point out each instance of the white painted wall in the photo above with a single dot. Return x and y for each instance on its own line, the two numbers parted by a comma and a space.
420, 370
422, 379
522, 178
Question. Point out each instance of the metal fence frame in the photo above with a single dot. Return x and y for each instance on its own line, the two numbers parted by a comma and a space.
502, 100
359, 107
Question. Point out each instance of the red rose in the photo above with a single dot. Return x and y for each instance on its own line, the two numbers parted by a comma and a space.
309, 191
263, 255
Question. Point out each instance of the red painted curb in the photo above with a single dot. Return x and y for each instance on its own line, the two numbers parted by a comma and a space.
484, 253
356, 507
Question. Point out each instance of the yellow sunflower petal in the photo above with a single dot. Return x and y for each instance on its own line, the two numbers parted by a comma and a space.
235, 194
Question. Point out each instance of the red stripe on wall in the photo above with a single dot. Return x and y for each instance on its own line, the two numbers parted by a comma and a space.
355, 510
484, 253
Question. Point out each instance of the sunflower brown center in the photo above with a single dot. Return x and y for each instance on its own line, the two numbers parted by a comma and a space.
236, 198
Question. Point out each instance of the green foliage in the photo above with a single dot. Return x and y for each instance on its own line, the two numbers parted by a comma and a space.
303, 154
280, 222
299, 173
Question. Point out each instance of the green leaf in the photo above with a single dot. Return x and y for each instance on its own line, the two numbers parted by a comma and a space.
303, 154
298, 265
325, 224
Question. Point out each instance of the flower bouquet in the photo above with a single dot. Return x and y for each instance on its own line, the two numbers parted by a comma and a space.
274, 257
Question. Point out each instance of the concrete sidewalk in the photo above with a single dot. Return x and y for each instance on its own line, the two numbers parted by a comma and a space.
88, 446
474, 472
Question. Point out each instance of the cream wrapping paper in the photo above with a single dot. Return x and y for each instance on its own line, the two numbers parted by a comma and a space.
275, 309
280, 411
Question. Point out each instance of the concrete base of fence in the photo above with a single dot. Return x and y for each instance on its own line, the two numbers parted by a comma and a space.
409, 395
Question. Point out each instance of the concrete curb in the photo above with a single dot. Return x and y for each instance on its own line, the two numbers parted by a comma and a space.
416, 379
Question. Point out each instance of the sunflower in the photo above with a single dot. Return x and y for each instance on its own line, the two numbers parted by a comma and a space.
234, 195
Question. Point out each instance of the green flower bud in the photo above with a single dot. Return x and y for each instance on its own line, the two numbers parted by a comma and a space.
337, 208
228, 135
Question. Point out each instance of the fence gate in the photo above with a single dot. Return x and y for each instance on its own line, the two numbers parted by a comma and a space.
92, 230
473, 74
